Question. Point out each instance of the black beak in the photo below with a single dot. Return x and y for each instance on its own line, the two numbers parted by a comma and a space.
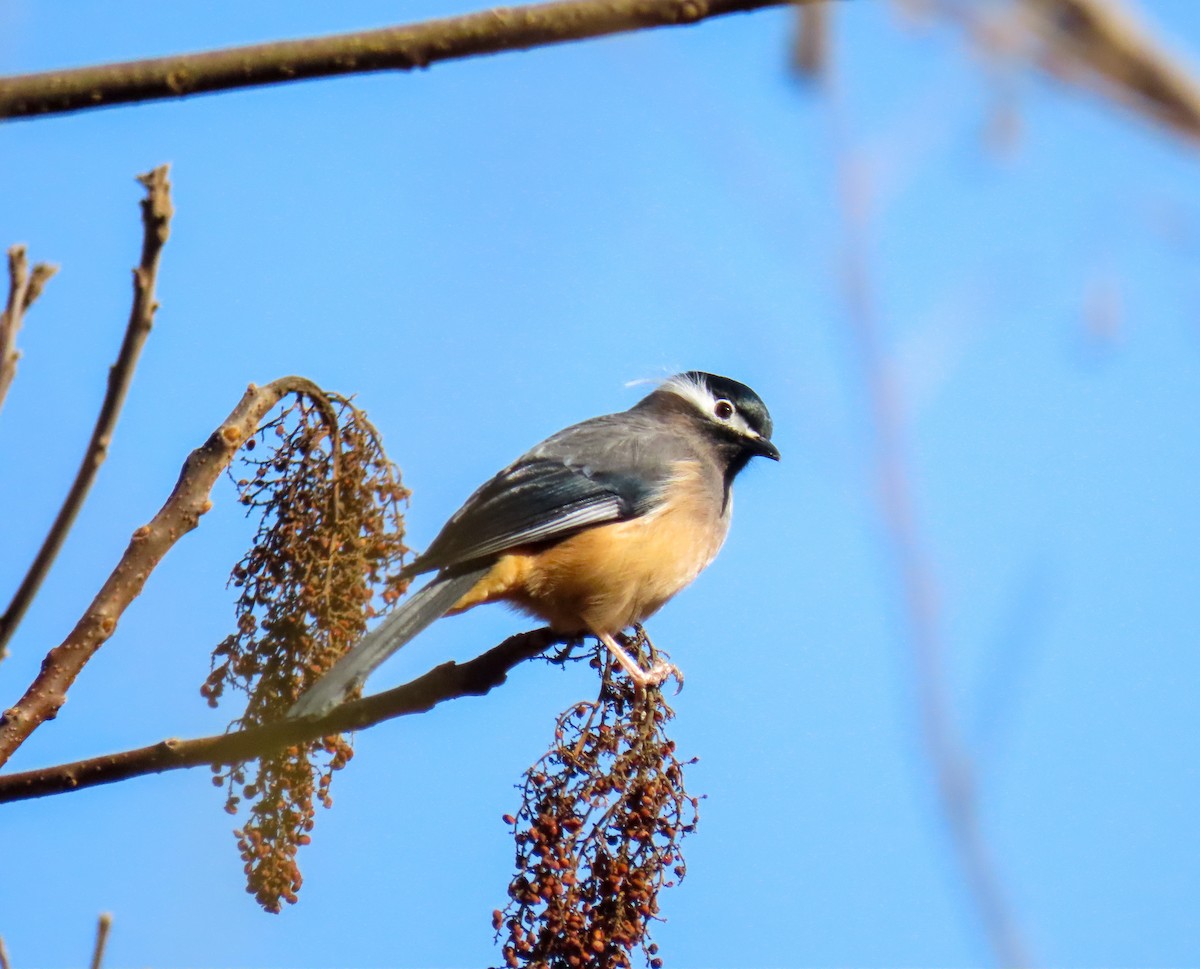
761, 446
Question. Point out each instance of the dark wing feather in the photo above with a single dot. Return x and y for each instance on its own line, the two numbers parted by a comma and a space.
551, 493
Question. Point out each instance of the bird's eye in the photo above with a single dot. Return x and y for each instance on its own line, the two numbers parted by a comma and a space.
723, 409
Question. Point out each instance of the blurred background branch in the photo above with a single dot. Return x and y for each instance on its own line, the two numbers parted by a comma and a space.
1103, 46
950, 761
1097, 44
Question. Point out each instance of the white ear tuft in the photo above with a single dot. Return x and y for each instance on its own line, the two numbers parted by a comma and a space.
691, 388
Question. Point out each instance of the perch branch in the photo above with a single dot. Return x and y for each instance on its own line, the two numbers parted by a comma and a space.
23, 288
449, 681
156, 227
400, 48
178, 516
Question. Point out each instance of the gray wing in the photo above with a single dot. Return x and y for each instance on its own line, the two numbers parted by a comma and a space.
607, 469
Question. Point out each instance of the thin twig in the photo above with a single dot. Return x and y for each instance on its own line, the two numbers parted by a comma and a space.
156, 226
449, 681
4, 963
951, 763
103, 924
401, 48
178, 516
23, 288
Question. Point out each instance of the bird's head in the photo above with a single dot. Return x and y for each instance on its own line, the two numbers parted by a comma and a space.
732, 417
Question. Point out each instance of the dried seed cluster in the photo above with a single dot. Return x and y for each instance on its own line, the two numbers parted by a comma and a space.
597, 834
330, 535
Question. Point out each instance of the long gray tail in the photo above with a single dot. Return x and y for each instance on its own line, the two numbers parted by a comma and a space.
419, 610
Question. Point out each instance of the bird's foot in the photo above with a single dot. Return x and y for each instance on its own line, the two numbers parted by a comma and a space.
658, 674
642, 679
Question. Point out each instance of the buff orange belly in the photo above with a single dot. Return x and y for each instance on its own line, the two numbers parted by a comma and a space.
607, 578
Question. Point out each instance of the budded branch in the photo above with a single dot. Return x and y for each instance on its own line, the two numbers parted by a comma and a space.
24, 287
156, 225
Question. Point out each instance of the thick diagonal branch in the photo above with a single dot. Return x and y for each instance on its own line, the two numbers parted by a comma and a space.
23, 288
156, 227
178, 516
401, 48
448, 681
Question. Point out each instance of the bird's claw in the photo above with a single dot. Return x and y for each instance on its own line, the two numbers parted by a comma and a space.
658, 674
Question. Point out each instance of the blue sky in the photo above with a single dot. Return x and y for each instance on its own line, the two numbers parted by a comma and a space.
489, 250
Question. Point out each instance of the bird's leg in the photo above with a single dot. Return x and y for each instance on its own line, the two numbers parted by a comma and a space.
641, 678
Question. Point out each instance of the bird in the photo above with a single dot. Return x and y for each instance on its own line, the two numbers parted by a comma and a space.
591, 531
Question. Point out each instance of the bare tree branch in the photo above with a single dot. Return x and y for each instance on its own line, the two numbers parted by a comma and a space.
23, 288
400, 48
4, 963
449, 681
103, 925
179, 515
156, 225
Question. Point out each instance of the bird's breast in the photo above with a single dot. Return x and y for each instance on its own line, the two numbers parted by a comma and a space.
606, 578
